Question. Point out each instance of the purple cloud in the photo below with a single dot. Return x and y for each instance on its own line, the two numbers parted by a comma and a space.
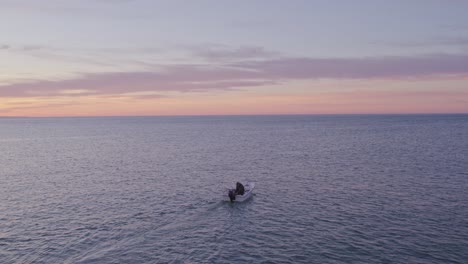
441, 41
193, 78
32, 47
220, 52
175, 78
359, 68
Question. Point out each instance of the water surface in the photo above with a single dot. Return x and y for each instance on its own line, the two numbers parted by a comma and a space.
330, 189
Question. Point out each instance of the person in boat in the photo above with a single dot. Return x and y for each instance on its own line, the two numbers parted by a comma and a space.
232, 195
239, 189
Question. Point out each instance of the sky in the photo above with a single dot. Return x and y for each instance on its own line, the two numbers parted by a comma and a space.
216, 57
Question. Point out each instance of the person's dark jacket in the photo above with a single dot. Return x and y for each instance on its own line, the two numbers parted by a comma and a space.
240, 188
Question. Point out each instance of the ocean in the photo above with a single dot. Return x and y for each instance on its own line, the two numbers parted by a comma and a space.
329, 189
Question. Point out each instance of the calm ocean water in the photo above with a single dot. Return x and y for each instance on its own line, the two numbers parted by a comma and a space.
330, 189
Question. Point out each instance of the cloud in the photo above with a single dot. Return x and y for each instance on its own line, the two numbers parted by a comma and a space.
235, 75
221, 52
112, 56
91, 57
32, 47
114, 1
25, 47
384, 101
179, 78
33, 105
359, 68
441, 41
90, 8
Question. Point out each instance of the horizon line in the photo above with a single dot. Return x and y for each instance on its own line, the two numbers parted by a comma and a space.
234, 115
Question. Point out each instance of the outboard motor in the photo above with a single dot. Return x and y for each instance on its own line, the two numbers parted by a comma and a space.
232, 195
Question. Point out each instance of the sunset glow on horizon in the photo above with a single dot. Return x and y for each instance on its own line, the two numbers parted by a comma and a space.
124, 58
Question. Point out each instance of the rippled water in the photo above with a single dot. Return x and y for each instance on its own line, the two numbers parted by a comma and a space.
329, 189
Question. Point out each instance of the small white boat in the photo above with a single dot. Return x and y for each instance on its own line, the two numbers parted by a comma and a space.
248, 189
